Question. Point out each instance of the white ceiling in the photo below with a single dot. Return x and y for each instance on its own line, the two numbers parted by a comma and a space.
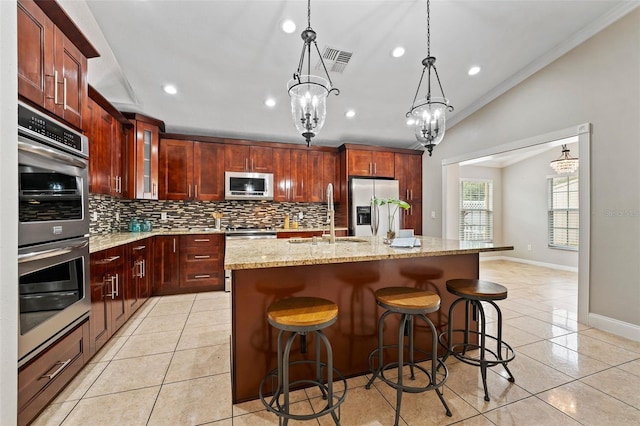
226, 57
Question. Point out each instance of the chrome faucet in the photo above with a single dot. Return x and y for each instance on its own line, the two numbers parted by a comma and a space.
331, 214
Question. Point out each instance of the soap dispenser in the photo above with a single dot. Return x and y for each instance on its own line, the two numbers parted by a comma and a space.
286, 221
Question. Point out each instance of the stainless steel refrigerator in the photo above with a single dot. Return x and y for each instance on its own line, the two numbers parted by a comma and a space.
364, 216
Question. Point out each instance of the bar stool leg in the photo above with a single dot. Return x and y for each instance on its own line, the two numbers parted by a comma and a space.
410, 324
504, 364
380, 347
399, 390
285, 377
327, 345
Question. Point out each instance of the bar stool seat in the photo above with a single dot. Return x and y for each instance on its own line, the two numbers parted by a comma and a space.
300, 316
474, 293
411, 304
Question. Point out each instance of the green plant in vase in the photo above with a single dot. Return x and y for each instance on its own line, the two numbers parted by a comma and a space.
393, 204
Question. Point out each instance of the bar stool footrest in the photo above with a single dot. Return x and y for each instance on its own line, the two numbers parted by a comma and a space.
276, 407
459, 350
434, 382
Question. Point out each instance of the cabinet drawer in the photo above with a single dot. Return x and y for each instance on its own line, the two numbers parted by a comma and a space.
199, 256
199, 241
44, 377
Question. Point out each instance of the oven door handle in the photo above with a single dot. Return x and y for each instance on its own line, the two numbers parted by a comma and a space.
52, 154
44, 254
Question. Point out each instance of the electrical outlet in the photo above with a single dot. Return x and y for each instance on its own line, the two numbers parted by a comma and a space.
163, 216
300, 216
94, 216
433, 214
117, 216
529, 247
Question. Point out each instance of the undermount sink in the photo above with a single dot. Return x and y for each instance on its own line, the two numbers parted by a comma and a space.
325, 240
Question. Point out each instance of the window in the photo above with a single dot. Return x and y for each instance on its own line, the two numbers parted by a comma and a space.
563, 212
476, 210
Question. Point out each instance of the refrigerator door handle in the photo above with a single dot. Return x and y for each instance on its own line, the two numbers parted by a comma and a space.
375, 218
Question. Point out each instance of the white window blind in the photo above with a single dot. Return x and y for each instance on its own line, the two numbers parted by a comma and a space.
563, 212
476, 210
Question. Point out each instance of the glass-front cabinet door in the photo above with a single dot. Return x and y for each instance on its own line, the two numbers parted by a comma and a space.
147, 140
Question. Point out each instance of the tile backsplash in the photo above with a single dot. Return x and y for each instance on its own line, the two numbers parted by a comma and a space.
114, 214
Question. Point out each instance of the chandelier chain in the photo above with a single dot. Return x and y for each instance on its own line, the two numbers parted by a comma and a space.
428, 29
308, 13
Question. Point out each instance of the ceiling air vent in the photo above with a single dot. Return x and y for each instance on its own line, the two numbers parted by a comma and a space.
335, 60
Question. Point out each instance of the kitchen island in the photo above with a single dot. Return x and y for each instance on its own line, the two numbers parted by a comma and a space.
347, 273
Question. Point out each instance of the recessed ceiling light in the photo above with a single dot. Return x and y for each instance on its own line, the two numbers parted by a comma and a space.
473, 70
350, 114
397, 52
410, 121
288, 26
270, 102
170, 89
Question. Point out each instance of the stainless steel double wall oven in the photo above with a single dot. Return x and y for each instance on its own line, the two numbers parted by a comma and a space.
53, 231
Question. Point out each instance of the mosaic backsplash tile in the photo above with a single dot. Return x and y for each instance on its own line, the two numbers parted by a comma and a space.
114, 214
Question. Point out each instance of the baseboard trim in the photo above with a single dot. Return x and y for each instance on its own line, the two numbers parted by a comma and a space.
611, 325
531, 262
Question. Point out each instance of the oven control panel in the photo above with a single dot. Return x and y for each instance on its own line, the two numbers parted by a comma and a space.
33, 121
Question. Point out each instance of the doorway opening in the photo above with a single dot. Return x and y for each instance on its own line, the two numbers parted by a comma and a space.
512, 161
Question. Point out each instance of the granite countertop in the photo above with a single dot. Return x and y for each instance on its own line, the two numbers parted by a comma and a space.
107, 241
281, 252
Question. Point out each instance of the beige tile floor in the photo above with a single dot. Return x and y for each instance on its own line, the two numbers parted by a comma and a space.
169, 365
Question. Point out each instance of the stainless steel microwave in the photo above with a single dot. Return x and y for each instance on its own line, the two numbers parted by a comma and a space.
248, 186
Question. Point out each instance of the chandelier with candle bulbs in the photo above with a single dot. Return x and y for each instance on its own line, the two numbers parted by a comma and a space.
429, 114
309, 92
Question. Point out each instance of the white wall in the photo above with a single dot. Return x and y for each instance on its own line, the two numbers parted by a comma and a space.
8, 213
598, 82
525, 199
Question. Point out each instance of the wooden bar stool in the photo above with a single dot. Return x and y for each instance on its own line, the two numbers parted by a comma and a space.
474, 293
300, 316
411, 304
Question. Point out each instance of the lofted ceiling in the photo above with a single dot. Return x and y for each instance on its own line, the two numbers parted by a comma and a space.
226, 57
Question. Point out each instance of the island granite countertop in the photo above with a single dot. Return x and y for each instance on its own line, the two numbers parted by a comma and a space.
271, 253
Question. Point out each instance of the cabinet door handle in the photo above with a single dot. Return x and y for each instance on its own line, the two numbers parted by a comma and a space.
246, 164
189, 191
120, 184
407, 194
117, 285
62, 364
55, 87
201, 256
153, 189
109, 259
202, 240
375, 168
202, 276
174, 245
139, 248
142, 267
64, 93
196, 189
252, 165
411, 195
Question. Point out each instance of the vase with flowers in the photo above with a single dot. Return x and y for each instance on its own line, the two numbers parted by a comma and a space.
393, 205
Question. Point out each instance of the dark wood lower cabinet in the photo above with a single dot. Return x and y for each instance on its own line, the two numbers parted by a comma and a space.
188, 263
138, 283
44, 377
108, 302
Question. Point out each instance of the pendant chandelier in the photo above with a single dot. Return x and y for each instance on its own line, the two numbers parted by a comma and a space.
566, 163
309, 92
429, 114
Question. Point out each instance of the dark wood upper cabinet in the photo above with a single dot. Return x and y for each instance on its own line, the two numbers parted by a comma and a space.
52, 60
106, 129
207, 174
370, 163
35, 54
244, 158
191, 170
176, 169
281, 174
322, 169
